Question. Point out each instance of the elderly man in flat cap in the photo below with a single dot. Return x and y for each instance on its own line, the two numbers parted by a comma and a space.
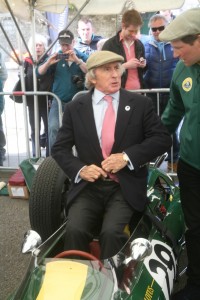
184, 103
116, 133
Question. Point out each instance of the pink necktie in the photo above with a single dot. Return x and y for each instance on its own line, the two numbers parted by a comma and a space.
108, 128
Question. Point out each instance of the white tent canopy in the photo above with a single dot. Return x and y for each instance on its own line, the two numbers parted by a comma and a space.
22, 8
114, 7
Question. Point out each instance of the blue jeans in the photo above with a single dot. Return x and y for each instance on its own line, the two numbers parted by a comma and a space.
43, 116
53, 122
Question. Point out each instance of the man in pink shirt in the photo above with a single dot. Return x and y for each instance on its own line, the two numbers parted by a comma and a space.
126, 44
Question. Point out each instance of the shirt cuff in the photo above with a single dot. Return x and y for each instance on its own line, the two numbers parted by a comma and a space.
78, 178
129, 163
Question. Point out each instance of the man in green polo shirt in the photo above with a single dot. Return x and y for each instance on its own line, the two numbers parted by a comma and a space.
184, 103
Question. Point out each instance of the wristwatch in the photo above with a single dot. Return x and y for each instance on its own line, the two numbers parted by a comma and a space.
79, 62
125, 158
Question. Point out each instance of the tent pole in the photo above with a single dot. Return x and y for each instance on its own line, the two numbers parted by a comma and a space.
17, 26
77, 14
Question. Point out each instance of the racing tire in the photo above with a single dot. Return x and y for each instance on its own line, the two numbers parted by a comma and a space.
47, 198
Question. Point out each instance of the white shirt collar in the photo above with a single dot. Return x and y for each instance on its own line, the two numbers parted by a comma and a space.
98, 96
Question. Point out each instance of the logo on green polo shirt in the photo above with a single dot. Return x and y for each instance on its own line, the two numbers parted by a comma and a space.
187, 84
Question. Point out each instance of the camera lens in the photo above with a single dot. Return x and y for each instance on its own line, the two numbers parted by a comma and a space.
76, 79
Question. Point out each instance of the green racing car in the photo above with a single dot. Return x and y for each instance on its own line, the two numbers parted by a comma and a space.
145, 268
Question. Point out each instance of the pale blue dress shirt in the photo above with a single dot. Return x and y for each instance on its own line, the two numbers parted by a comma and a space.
99, 106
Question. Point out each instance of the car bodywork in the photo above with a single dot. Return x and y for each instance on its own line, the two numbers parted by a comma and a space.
145, 268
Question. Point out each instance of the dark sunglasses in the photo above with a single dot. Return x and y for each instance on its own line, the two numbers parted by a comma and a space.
161, 28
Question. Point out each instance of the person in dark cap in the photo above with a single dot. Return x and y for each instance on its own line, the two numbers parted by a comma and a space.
68, 69
116, 133
184, 103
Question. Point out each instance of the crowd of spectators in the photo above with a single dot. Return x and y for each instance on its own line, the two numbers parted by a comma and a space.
147, 63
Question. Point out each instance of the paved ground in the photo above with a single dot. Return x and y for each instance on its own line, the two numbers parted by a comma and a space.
14, 221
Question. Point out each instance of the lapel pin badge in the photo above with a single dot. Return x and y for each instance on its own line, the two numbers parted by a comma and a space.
127, 108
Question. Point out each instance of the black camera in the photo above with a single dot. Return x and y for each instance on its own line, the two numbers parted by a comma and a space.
62, 56
78, 80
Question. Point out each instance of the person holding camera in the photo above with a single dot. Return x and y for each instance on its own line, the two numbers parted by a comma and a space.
68, 68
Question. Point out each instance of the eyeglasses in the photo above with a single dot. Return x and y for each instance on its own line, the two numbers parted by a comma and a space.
161, 28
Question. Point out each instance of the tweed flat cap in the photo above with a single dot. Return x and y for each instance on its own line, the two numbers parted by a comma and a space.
100, 58
187, 23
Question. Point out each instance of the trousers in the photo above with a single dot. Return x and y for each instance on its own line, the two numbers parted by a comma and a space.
99, 207
189, 179
53, 122
43, 116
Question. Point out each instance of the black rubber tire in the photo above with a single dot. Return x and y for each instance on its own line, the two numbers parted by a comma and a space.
47, 198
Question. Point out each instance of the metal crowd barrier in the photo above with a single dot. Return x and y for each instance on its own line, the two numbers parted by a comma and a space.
17, 130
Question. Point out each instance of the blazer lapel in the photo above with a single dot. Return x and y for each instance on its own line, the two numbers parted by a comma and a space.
86, 115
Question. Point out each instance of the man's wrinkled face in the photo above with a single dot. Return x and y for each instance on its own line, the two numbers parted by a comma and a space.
130, 33
189, 54
108, 78
85, 32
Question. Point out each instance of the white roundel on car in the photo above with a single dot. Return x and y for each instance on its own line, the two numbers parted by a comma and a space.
161, 265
